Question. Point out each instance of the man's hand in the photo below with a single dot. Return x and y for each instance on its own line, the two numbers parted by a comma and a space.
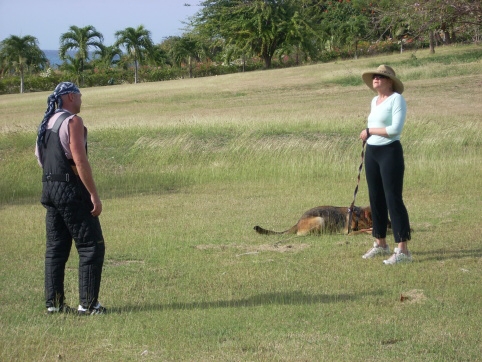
96, 211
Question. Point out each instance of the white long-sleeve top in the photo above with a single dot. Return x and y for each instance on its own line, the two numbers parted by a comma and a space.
390, 115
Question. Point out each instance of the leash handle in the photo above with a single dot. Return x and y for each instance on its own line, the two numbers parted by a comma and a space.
352, 206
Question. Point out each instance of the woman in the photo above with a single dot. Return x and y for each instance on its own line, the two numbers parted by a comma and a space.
384, 164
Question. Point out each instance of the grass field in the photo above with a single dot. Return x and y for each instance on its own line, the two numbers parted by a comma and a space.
187, 168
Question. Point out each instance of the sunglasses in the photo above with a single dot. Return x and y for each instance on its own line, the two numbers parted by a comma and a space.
379, 76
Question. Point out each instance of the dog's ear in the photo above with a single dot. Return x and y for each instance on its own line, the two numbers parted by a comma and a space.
366, 221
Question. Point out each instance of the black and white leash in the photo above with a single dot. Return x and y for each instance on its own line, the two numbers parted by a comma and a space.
352, 206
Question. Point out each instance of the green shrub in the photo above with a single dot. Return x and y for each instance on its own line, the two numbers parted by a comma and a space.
10, 85
156, 74
36, 83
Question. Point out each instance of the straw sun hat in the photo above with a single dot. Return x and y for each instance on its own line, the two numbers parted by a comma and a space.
387, 72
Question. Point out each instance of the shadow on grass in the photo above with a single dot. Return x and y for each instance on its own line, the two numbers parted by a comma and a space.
282, 298
446, 254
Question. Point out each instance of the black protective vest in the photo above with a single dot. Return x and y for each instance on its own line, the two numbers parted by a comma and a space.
56, 166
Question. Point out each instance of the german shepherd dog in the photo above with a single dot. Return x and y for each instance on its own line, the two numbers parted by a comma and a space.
327, 220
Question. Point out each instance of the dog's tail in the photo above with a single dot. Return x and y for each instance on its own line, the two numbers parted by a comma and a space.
262, 231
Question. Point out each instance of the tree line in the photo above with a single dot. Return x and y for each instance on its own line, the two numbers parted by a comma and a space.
233, 35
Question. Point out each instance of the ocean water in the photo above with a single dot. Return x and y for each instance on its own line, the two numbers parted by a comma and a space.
54, 59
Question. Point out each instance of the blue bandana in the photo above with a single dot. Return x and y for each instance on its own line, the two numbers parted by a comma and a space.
54, 100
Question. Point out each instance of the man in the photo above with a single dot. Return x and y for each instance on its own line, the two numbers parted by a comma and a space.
73, 205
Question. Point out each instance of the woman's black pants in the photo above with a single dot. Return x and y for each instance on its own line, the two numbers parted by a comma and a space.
384, 170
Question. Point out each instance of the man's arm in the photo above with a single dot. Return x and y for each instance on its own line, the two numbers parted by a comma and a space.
77, 147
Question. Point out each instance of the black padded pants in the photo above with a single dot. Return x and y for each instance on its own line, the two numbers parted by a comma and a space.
384, 169
68, 217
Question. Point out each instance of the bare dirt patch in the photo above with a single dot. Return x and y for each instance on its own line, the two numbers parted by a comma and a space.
114, 262
413, 296
256, 249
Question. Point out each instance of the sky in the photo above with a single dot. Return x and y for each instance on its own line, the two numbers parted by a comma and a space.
48, 19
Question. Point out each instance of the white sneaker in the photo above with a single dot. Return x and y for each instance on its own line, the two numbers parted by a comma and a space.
64, 308
376, 250
97, 309
398, 257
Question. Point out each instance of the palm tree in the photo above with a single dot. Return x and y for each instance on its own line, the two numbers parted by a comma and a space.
20, 53
138, 44
80, 39
108, 56
185, 49
72, 67
159, 57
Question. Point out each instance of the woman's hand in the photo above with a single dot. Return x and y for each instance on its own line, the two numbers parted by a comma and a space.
364, 135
